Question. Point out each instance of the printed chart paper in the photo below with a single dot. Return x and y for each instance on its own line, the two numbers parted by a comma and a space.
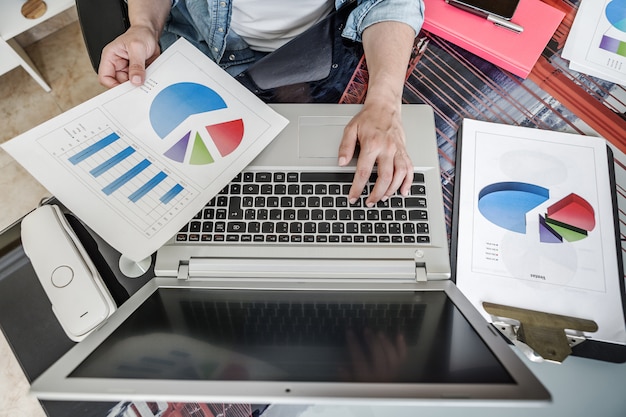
137, 163
596, 44
536, 225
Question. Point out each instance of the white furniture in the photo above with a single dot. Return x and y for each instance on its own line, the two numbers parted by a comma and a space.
12, 23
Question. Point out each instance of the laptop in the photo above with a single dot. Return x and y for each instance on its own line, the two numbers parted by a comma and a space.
258, 300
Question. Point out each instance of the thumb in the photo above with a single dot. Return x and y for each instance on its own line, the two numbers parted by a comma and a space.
137, 57
347, 145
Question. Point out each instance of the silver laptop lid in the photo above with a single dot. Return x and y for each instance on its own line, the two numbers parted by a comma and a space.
309, 144
293, 342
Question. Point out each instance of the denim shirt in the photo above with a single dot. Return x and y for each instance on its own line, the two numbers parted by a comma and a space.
206, 24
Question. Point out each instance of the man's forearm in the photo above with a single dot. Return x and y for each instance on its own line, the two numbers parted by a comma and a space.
150, 14
388, 47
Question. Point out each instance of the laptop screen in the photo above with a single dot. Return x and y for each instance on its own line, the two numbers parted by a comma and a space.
314, 336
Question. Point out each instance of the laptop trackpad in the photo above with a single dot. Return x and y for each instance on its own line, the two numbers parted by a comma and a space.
320, 136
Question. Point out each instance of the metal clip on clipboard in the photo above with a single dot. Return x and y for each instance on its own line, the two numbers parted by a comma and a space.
543, 333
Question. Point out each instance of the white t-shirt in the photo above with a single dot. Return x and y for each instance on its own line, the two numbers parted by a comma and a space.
267, 25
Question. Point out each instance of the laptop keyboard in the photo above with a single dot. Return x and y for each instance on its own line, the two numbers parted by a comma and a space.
308, 207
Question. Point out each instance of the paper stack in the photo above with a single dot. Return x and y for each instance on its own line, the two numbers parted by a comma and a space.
596, 44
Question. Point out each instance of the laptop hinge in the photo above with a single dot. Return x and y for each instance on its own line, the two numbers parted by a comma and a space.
420, 273
383, 269
183, 271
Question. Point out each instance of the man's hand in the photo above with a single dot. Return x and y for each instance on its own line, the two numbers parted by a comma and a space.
379, 132
127, 57
378, 127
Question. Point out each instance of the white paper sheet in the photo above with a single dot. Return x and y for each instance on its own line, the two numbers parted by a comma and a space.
137, 163
596, 44
536, 225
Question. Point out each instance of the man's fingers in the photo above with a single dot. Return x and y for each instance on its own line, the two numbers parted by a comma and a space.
403, 175
137, 57
347, 145
364, 167
384, 181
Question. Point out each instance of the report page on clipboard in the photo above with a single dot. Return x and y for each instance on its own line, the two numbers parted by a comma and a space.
536, 225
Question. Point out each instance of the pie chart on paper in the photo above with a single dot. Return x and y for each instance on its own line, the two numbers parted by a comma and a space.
506, 204
173, 106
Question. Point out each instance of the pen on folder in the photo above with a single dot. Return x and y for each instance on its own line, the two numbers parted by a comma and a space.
507, 24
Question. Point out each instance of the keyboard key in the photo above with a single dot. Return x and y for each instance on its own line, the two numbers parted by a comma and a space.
415, 202
408, 228
336, 177
250, 189
286, 201
418, 189
263, 177
195, 227
276, 214
236, 227
295, 227
317, 214
289, 215
418, 215
268, 227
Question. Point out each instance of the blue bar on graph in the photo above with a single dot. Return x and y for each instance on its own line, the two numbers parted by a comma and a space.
92, 149
169, 196
132, 173
147, 187
111, 162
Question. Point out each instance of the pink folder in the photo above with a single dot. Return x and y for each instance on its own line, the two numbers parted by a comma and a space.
514, 52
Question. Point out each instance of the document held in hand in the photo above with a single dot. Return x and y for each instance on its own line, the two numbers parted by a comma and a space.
536, 225
510, 50
136, 163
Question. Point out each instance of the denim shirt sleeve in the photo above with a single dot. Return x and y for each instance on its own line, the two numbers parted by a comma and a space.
369, 12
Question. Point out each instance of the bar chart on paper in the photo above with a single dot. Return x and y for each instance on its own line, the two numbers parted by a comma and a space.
119, 172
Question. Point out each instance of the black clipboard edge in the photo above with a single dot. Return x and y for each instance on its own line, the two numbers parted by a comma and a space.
590, 349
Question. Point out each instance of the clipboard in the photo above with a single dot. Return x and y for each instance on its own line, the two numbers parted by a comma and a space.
568, 332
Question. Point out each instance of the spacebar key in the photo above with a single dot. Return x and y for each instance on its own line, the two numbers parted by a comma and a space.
336, 177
